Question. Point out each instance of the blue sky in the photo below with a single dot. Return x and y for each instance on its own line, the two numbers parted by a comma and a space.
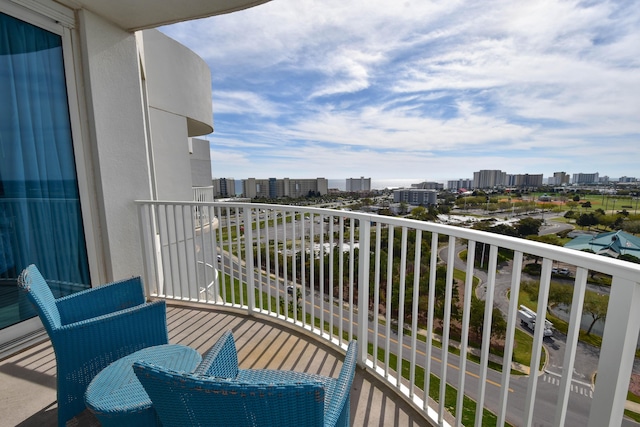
417, 88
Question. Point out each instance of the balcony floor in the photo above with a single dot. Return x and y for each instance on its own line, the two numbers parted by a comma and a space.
28, 384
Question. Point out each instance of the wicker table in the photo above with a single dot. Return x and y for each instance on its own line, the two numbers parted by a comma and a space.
117, 398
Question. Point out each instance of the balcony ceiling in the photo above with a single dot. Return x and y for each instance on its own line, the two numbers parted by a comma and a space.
134, 15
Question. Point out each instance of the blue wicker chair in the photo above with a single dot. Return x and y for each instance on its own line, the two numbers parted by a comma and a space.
92, 328
218, 393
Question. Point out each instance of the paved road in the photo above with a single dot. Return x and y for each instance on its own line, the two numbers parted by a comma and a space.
547, 380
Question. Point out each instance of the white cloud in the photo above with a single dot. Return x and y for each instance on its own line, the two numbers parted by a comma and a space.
243, 102
536, 86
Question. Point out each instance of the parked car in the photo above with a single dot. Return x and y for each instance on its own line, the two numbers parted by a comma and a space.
562, 271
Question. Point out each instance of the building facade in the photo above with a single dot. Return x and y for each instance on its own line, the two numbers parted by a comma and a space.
429, 185
416, 197
585, 178
460, 184
102, 115
560, 178
357, 185
273, 188
485, 179
224, 187
525, 181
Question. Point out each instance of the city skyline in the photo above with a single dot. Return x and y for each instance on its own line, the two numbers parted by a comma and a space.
570, 177
406, 89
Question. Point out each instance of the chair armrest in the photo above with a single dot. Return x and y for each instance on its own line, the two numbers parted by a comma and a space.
337, 412
115, 335
101, 300
221, 360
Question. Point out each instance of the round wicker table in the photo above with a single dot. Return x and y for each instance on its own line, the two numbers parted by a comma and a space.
116, 397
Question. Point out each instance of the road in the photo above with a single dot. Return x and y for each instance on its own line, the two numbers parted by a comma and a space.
547, 384
548, 379
585, 365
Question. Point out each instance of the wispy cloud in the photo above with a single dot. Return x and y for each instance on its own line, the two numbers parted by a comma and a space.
438, 89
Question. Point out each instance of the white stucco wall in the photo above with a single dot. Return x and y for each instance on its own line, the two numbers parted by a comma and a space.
178, 86
200, 163
116, 141
171, 155
178, 81
137, 131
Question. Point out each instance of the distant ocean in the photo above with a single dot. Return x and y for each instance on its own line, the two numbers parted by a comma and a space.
379, 184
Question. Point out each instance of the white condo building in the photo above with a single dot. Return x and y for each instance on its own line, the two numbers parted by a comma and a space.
356, 185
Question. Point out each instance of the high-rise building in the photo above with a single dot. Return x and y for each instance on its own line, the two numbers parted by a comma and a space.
273, 188
356, 185
415, 196
524, 181
429, 185
559, 178
460, 184
627, 179
489, 179
224, 187
585, 178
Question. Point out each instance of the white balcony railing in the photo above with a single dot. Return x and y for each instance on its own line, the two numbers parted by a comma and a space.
344, 275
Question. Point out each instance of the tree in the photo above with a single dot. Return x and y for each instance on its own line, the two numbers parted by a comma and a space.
570, 214
596, 306
560, 294
444, 209
576, 198
498, 324
617, 223
632, 227
403, 208
476, 316
528, 226
421, 214
587, 220
476, 320
630, 258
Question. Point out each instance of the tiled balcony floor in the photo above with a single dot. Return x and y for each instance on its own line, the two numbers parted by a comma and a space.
27, 380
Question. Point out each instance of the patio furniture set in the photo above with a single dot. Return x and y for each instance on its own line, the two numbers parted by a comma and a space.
113, 357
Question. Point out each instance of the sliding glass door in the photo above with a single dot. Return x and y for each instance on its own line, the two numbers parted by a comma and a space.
40, 216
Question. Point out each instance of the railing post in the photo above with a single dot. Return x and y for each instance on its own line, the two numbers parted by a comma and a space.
617, 354
248, 256
363, 290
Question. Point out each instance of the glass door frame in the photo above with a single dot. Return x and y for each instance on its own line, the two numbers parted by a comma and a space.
72, 59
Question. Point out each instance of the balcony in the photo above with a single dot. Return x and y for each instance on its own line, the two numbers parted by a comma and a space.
296, 284
28, 394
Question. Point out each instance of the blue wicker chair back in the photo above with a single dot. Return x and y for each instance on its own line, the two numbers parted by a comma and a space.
92, 328
219, 393
188, 400
40, 295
